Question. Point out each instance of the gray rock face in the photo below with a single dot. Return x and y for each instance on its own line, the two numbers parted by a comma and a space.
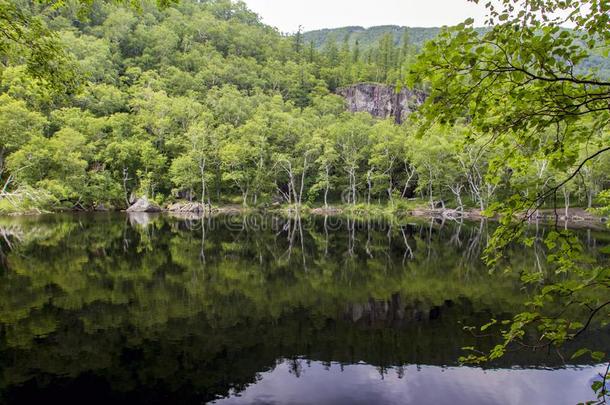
143, 205
382, 101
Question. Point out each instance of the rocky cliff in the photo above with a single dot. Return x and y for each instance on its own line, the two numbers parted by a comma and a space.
382, 101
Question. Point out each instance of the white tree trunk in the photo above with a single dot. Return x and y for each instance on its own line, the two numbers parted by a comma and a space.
326, 189
202, 172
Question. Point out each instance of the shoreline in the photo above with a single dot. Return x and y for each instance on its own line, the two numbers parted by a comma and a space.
577, 218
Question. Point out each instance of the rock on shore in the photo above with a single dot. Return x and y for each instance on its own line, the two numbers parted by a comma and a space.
191, 207
143, 205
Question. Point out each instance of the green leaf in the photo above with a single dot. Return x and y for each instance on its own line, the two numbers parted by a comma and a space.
598, 356
488, 325
580, 352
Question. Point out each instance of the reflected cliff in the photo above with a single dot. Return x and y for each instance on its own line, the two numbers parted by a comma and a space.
151, 308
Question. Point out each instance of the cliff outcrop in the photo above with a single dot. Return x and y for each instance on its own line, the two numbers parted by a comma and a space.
382, 101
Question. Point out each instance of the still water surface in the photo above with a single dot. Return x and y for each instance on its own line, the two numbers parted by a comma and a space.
109, 308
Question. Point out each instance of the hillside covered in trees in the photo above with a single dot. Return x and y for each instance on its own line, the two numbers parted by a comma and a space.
201, 101
367, 40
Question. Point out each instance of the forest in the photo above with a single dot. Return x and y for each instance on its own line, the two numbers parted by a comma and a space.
201, 101
105, 103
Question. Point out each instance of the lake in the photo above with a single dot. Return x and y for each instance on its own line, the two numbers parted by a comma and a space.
112, 308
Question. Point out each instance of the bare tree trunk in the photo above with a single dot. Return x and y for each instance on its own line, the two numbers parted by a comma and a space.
218, 183
293, 187
408, 251
327, 187
457, 191
353, 176
566, 199
350, 194
245, 197
351, 241
410, 172
390, 188
125, 180
367, 246
6, 184
202, 246
292, 192
202, 172
289, 191
303, 256
430, 188
369, 185
295, 196
302, 181
325, 235
291, 233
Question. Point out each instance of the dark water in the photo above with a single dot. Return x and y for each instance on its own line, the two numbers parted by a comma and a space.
108, 308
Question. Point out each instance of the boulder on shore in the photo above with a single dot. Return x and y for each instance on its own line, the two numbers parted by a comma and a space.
143, 205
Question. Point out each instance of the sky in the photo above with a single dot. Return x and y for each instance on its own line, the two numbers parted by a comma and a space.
287, 15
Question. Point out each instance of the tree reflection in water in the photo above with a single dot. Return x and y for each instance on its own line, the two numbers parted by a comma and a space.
149, 308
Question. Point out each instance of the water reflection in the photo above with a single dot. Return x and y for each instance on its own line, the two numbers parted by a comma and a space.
155, 309
320, 383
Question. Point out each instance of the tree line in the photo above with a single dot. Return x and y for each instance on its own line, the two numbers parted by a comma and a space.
201, 101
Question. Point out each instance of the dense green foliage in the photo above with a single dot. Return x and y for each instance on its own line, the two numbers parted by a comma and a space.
519, 87
202, 101
367, 40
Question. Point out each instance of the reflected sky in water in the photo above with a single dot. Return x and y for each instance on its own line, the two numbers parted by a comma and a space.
319, 383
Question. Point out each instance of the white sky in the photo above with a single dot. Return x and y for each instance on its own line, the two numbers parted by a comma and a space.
287, 15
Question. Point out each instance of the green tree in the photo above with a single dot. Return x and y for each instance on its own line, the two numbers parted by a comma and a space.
17, 126
387, 151
202, 158
326, 162
53, 164
351, 137
520, 87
